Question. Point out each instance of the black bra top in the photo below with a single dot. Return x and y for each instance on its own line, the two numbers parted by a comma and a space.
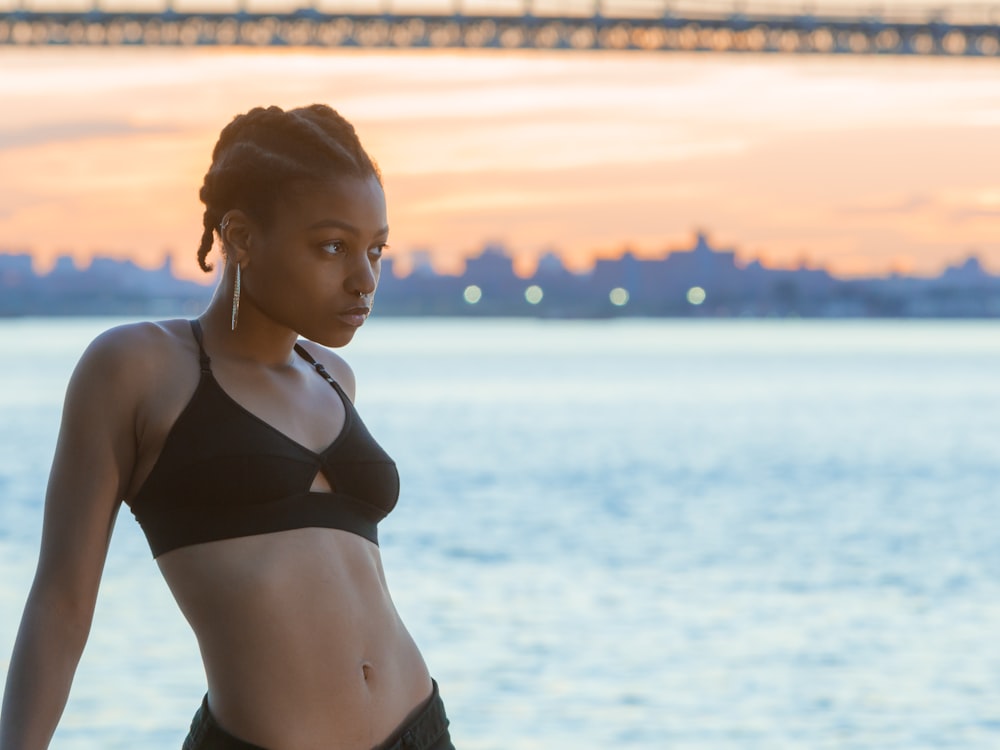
225, 473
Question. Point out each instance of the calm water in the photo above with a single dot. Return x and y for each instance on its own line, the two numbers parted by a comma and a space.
633, 534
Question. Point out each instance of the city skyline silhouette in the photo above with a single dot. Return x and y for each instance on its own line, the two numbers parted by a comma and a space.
701, 280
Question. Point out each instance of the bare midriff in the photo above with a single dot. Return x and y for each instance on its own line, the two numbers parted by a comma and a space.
302, 646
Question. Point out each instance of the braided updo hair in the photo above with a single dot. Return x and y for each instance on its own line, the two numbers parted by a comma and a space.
261, 152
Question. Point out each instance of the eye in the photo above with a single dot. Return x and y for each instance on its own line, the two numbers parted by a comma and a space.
376, 252
333, 247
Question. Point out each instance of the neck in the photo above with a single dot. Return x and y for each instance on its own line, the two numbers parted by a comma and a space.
257, 338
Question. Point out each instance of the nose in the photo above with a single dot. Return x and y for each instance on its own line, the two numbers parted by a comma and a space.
363, 277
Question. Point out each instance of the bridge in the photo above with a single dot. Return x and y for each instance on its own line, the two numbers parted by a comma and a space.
737, 27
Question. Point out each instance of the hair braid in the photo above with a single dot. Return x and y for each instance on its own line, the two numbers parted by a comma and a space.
261, 152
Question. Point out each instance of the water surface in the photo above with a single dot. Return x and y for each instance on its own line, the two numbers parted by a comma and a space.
630, 534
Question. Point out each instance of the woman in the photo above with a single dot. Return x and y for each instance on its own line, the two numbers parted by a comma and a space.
238, 449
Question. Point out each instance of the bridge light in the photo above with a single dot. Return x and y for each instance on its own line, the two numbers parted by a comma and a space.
722, 40
857, 42
756, 38
922, 43
615, 37
822, 40
954, 43
373, 34
444, 35
687, 38
21, 33
95, 33
297, 33
512, 36
116, 33
548, 36
789, 41
582, 38
988, 45
480, 34
39, 33
401, 36
333, 34
190, 32
650, 38
887, 40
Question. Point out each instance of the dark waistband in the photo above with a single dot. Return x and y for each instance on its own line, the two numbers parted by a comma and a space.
421, 729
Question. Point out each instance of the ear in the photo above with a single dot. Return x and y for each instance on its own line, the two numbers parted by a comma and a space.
235, 229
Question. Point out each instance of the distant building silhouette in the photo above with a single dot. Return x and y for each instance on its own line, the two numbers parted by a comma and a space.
691, 282
106, 287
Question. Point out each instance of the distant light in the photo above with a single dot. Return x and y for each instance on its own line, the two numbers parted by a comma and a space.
696, 295
472, 294
533, 294
618, 296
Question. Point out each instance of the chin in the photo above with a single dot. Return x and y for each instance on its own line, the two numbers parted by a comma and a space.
332, 339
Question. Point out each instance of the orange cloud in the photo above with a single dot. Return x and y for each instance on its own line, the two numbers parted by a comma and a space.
862, 165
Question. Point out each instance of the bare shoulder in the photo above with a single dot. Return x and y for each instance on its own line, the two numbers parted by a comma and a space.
133, 365
120, 373
335, 364
128, 354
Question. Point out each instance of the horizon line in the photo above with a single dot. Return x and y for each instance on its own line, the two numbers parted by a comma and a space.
418, 257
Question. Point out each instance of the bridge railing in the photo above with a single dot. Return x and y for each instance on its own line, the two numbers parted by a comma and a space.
735, 26
914, 11
908, 11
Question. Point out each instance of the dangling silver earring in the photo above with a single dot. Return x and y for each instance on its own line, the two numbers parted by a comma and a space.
236, 297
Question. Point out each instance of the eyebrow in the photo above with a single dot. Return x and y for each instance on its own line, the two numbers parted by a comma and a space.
345, 226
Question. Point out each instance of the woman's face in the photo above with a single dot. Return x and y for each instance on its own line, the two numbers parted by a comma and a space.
315, 268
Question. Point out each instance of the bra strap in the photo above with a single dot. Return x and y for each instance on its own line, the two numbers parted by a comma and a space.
319, 368
203, 358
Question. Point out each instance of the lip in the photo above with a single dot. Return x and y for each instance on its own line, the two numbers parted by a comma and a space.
354, 316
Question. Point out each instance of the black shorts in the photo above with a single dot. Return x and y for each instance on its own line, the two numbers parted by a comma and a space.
426, 730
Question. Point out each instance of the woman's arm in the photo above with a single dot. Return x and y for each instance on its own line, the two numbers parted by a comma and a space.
93, 462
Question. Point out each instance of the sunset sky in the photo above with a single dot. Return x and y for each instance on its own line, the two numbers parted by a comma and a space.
861, 165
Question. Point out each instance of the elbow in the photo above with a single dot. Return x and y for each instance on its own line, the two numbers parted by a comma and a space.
61, 613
